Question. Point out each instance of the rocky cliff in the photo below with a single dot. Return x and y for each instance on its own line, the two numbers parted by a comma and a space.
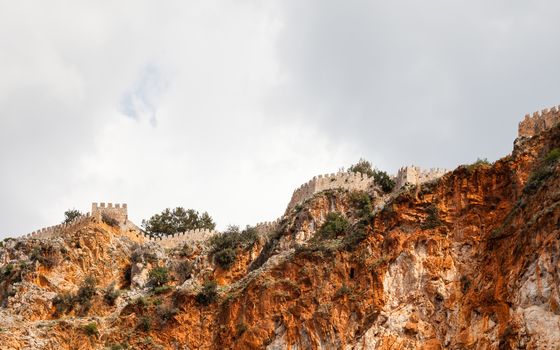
470, 261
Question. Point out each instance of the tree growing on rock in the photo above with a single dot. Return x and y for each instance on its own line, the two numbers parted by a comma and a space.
70, 215
178, 220
381, 177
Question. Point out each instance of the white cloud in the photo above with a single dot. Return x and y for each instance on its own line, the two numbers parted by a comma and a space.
227, 106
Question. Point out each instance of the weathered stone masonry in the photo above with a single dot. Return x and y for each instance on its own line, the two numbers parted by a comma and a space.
349, 181
413, 175
118, 212
539, 122
192, 236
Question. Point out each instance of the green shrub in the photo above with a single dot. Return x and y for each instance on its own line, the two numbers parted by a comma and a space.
248, 237
355, 237
334, 225
162, 289
432, 220
223, 246
223, 241
381, 177
384, 181
86, 291
7, 270
209, 293
537, 179
63, 303
552, 157
361, 201
479, 162
111, 295
70, 215
117, 346
91, 329
177, 220
362, 166
45, 255
225, 258
144, 324
158, 276
314, 248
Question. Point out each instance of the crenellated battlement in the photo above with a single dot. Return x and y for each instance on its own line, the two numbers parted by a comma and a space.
192, 236
539, 122
415, 175
117, 211
53, 231
342, 180
266, 227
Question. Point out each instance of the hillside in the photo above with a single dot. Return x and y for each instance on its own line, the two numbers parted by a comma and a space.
468, 259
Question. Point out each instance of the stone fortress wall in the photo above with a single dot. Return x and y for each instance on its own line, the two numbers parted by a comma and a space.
342, 180
192, 236
53, 231
266, 227
539, 122
414, 175
117, 211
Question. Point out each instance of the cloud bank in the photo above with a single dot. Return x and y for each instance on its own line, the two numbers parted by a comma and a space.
228, 106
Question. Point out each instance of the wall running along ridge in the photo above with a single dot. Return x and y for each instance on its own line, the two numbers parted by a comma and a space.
53, 231
192, 236
348, 181
539, 122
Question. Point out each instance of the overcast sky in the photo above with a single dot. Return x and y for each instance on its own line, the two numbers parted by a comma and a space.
228, 106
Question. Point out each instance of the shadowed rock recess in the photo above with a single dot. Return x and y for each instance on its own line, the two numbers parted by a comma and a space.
465, 259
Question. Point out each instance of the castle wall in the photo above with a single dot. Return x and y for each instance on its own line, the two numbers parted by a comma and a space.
118, 212
53, 231
265, 228
348, 181
415, 175
192, 236
539, 122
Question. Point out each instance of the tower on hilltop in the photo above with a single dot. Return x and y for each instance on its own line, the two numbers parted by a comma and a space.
118, 212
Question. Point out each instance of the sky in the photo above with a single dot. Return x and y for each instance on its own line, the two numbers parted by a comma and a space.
228, 106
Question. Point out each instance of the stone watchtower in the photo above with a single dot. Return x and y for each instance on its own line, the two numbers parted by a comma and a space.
118, 212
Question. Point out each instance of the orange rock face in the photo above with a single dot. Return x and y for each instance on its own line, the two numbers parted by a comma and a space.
468, 262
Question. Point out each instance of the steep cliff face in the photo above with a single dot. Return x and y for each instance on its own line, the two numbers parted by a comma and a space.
470, 261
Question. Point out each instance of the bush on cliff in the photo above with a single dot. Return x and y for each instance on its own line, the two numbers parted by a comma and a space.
46, 255
432, 220
223, 246
70, 215
552, 157
66, 302
381, 177
541, 174
158, 276
111, 295
335, 225
208, 294
176, 221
